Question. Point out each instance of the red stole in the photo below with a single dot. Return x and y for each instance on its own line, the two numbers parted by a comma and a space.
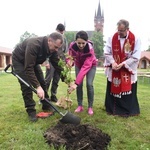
121, 79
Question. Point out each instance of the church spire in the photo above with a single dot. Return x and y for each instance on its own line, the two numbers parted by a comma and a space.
99, 10
99, 19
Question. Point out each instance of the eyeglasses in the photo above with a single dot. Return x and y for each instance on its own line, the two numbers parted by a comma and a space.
55, 46
122, 30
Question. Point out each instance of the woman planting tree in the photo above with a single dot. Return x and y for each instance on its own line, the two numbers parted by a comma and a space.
85, 63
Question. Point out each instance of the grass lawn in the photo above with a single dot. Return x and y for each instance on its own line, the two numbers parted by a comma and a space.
18, 133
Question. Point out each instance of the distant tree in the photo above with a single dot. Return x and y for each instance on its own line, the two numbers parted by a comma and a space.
70, 36
26, 35
98, 42
148, 49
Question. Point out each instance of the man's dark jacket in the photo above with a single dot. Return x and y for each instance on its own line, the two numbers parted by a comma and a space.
32, 52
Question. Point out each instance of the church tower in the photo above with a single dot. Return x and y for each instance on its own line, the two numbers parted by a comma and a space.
99, 19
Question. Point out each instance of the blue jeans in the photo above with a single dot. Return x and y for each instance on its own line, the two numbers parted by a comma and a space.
89, 85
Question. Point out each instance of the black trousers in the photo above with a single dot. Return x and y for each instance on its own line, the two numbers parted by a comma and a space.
127, 105
52, 78
27, 93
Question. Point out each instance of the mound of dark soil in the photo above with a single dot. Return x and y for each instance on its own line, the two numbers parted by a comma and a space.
77, 137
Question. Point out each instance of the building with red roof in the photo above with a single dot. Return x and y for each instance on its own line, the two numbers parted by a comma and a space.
5, 57
144, 62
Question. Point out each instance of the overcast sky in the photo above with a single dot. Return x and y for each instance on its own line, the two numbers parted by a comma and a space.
41, 17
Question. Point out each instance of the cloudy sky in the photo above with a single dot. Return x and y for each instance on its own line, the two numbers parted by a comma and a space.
41, 17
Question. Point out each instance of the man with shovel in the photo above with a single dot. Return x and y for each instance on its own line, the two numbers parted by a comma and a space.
26, 59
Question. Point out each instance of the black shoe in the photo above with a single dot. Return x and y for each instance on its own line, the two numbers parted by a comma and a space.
32, 116
54, 98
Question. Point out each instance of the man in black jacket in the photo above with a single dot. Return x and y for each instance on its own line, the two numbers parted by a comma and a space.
26, 60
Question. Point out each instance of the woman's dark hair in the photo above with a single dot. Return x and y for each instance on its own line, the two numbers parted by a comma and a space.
82, 34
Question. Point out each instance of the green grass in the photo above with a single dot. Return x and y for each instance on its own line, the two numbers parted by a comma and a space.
17, 133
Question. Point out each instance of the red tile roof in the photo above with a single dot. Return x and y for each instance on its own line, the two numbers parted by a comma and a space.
5, 50
145, 54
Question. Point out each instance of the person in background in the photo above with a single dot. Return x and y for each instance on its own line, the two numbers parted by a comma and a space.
85, 65
52, 76
26, 59
122, 53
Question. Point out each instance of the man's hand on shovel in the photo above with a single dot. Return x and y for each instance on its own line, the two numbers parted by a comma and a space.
40, 92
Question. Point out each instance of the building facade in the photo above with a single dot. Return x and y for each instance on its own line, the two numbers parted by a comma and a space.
144, 62
5, 57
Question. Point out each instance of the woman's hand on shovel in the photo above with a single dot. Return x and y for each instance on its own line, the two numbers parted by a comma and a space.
71, 87
40, 92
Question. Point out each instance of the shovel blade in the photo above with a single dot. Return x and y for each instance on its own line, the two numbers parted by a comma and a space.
70, 118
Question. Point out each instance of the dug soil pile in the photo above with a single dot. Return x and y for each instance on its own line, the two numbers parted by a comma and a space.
77, 137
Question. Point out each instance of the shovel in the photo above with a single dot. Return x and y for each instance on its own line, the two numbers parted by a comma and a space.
68, 117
